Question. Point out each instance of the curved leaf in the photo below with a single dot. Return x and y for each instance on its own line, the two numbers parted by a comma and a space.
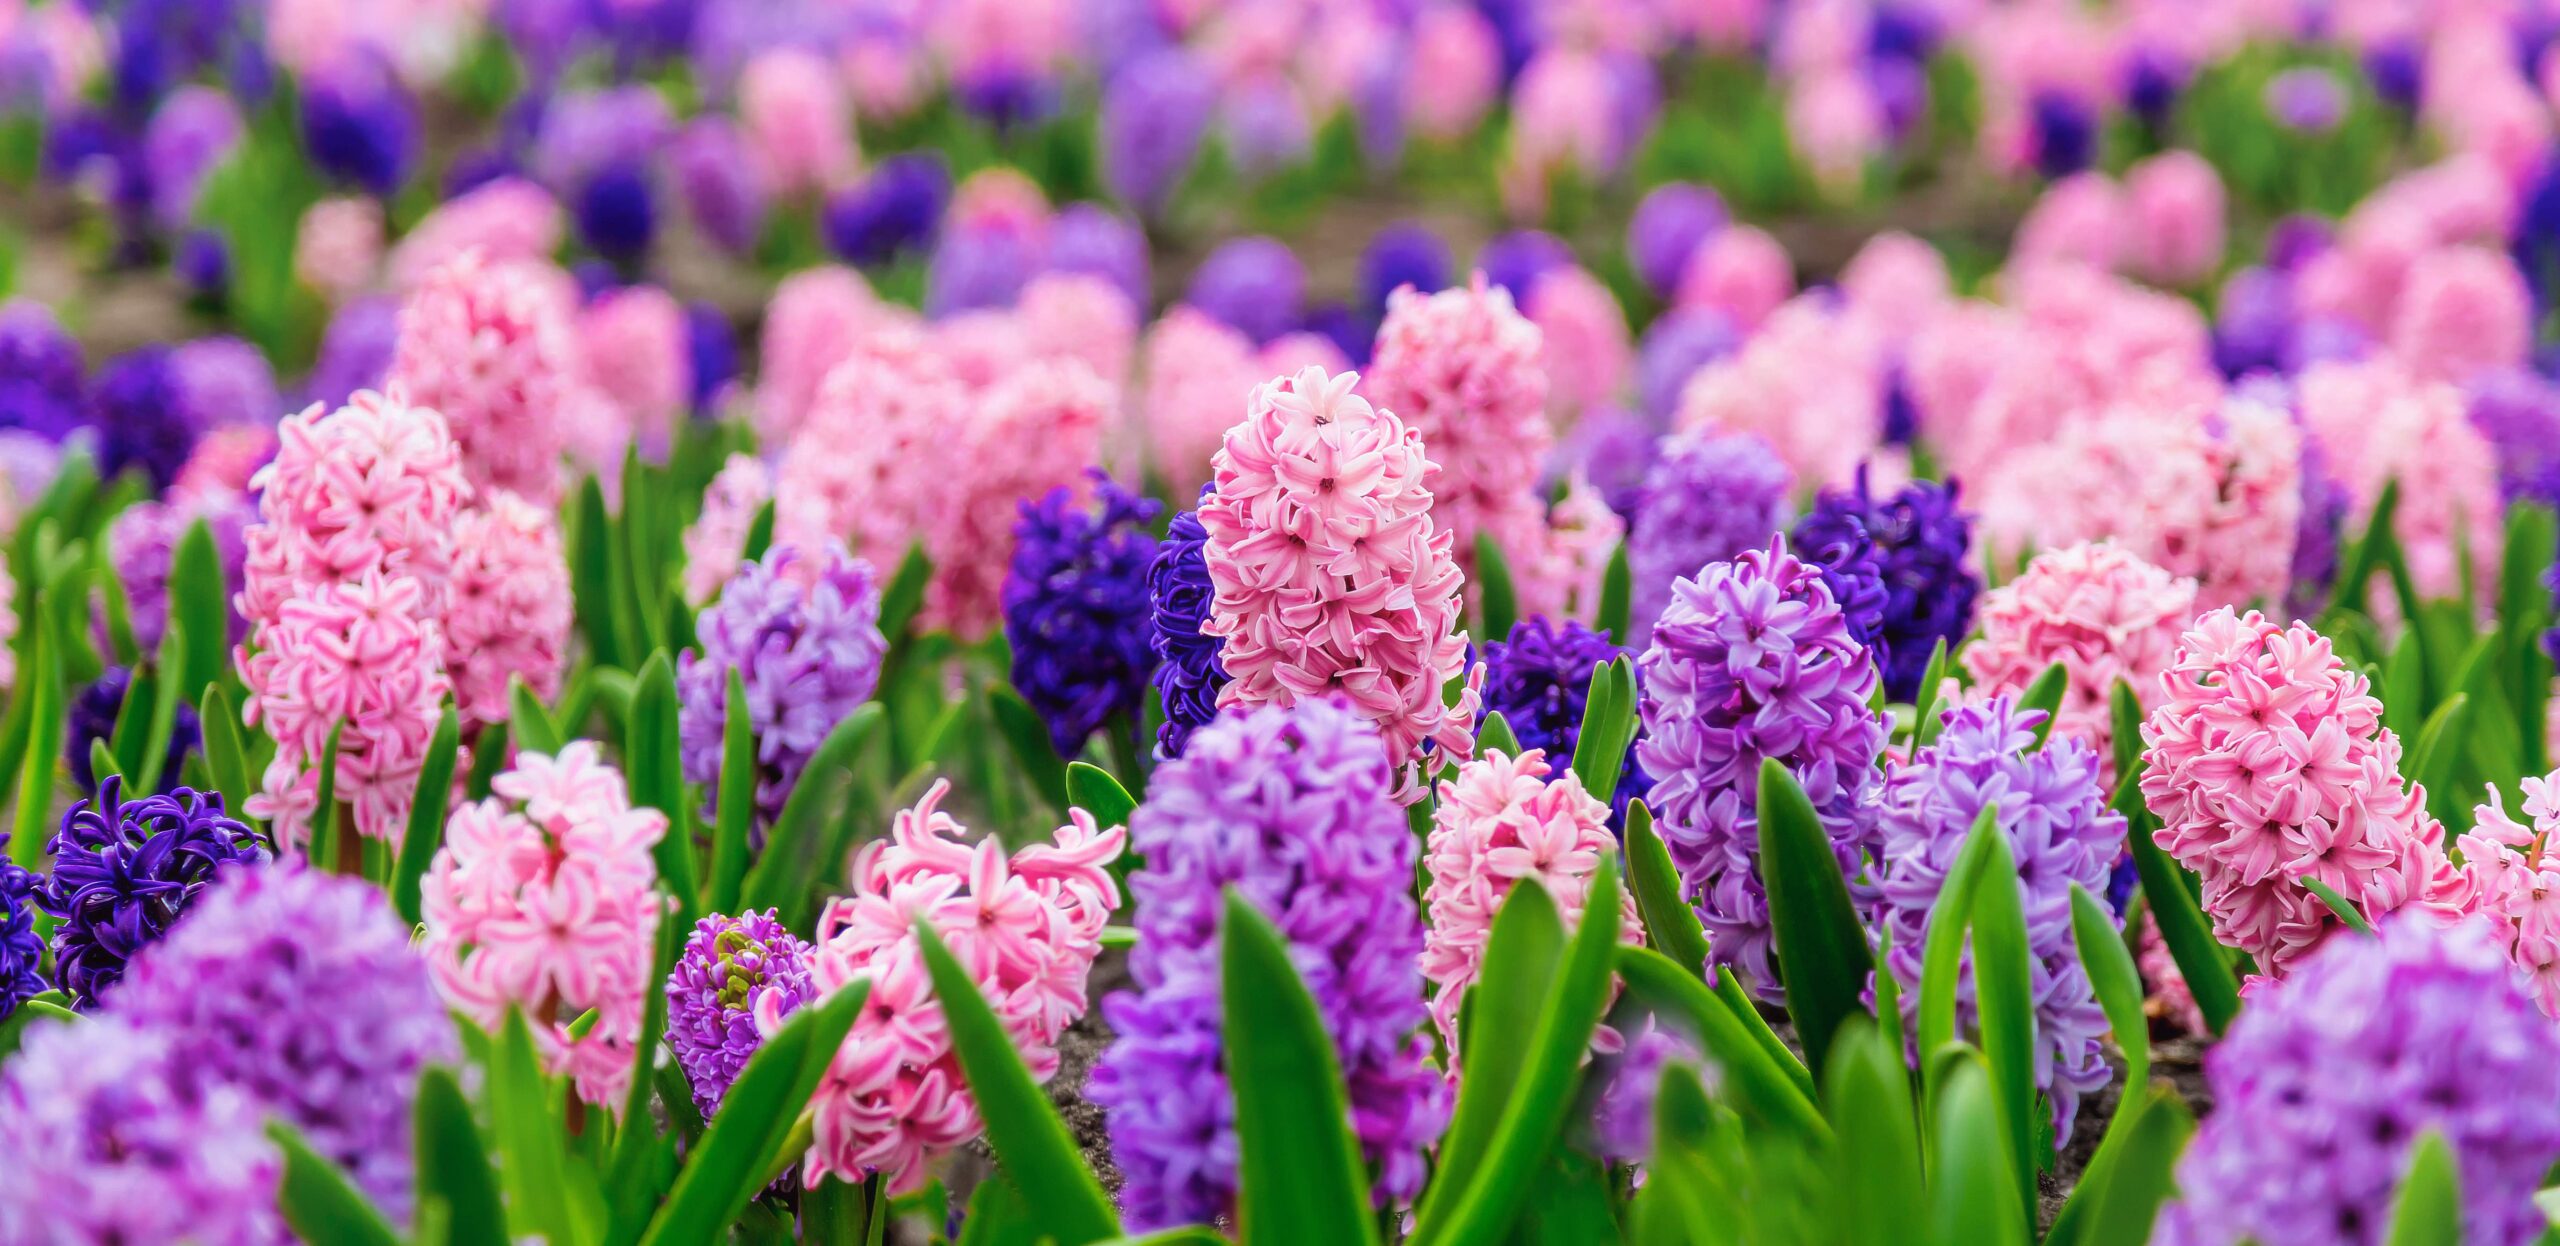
2345, 909
1616, 595
1924, 708
2129, 1180
656, 753
2182, 925
2004, 996
1867, 1095
198, 596
1942, 947
1761, 1088
319, 1201
2428, 1210
1500, 603
794, 851
1028, 736
534, 730
225, 759
2117, 982
1493, 733
2045, 695
1521, 958
453, 1165
905, 593
1608, 726
522, 1108
1822, 949
1301, 1175
1974, 1198
1670, 925
2126, 710
736, 813
426, 817
1094, 790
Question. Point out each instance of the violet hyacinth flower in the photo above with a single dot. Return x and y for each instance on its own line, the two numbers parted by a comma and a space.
1076, 610
40, 372
1710, 497
360, 125
2054, 814
299, 988
1292, 808
1675, 346
141, 417
125, 870
802, 629
1406, 253
21, 951
1090, 238
1752, 661
893, 211
1539, 679
723, 192
93, 721
1253, 285
1156, 109
1914, 544
1188, 675
1515, 260
730, 967
355, 350
1668, 225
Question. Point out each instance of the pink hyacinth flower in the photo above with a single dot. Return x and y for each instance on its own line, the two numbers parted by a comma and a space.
2378, 422
2103, 613
364, 659
507, 610
1810, 383
717, 541
339, 246
372, 487
507, 221
491, 347
2514, 876
2177, 207
1740, 271
816, 320
1588, 355
1035, 429
633, 344
2462, 310
797, 118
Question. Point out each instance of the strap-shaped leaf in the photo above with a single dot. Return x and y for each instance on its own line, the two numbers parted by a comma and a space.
1094, 790
2182, 923
41, 686
905, 593
737, 808
1924, 705
534, 1165
1974, 1197
657, 773
224, 757
46, 1007
1942, 948
1822, 949
2004, 996
759, 533
1670, 925
162, 725
795, 851
1500, 603
1608, 726
453, 1164
1761, 1089
1746, 1010
2116, 980
1501, 1013
2345, 909
534, 730
2125, 709
1300, 1169
1867, 1096
2428, 1210
591, 559
330, 849
318, 1200
198, 595
426, 817
1617, 593
1028, 737
1493, 733
2044, 694
2346, 591
630, 1192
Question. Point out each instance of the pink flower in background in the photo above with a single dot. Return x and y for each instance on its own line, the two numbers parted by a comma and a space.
876, 463
2462, 310
1453, 71
2168, 998
817, 318
1563, 580
1565, 114
2268, 764
1037, 428
1837, 125
981, 346
366, 654
797, 119
506, 608
633, 343
1198, 375
1588, 355
506, 221
1810, 383
544, 898
1741, 271
2513, 876
2101, 612
338, 247
1027, 929
1896, 282
1289, 353
997, 199
2378, 423
716, 543
2081, 219
1330, 576
2176, 207
1501, 820
1080, 316
489, 345
373, 487
226, 458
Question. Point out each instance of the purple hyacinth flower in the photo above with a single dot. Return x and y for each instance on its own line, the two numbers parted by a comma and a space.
2066, 134
1669, 224
1076, 610
1675, 346
360, 125
355, 351
1709, 498
1539, 679
1090, 238
2307, 99
730, 965
224, 381
1407, 253
1188, 673
21, 950
93, 721
1897, 565
892, 211
723, 192
41, 372
712, 344
125, 870
1254, 285
141, 417
802, 630
1155, 111
1514, 261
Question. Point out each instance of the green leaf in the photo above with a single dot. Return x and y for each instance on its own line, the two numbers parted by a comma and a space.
42, 689
2004, 989
453, 1165
1670, 925
2120, 1195
1924, 708
1822, 950
162, 725
1616, 592
103, 764
2346, 592
1038, 1154
426, 817
522, 1107
13, 1028
631, 1189
132, 730
116, 611
2116, 980
2182, 924
1867, 1095
224, 757
2404, 684
2428, 1211
1747, 1011
532, 725
1501, 1010
2345, 909
794, 852
326, 824
318, 1200
591, 562
2440, 742
1608, 726
1974, 1198
905, 594
2126, 710
1300, 1172
1500, 602
1493, 733
198, 595
1950, 916
657, 773
759, 533
1094, 790
2045, 695
737, 810
1028, 737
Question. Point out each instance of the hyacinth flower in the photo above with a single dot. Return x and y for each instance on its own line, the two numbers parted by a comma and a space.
2268, 766
41, 372
1331, 577
1539, 680
2321, 1089
1188, 675
142, 546
21, 948
543, 899
1912, 545
717, 541
1027, 926
801, 628
1294, 808
507, 609
1501, 820
361, 661
94, 712
1752, 661
489, 344
300, 988
2510, 871
1077, 614
125, 870
720, 983
2103, 613
1708, 499
140, 416
2054, 815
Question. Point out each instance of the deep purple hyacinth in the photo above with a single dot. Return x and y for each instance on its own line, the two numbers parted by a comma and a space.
2254, 322
1407, 253
2325, 1081
617, 212
93, 722
802, 629
712, 344
1156, 109
141, 417
360, 125
1709, 498
1077, 613
1254, 285
2066, 134
21, 952
40, 372
891, 212
299, 987
729, 966
1292, 808
1188, 674
124, 870
1666, 229
1918, 539
1515, 260
2053, 811
1752, 661
1538, 680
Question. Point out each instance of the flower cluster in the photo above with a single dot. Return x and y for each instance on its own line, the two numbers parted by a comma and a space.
362, 658
718, 989
717, 541
94, 713
1189, 675
1293, 808
801, 628
2103, 613
124, 871
142, 546
1539, 680
2510, 873
1707, 500
1753, 661
544, 900
1915, 541
489, 344
1076, 611
375, 485
1026, 927
2268, 765
506, 611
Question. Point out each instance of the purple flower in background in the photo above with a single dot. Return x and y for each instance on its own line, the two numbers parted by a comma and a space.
141, 416
224, 380
617, 213
355, 351
2254, 322
1709, 498
1539, 680
40, 371
978, 268
595, 149
713, 345
2324, 1083
2153, 77
890, 212
1612, 448
723, 193
802, 629
1752, 661
2066, 133
1668, 225
125, 870
2519, 413
1515, 260
2325, 505
1407, 253
729, 965
1918, 541
1188, 674
1676, 345
1292, 807
1355, 335
1631, 1080
1090, 238
93, 721
2398, 71
21, 952
1834, 539
2053, 812
360, 125
1155, 111
1076, 610
1265, 125
1254, 285
298, 987
203, 265
190, 133
2307, 99
109, 1132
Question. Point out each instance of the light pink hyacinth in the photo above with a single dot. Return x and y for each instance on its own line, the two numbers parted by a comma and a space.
1036, 429
1454, 73
1080, 316
717, 542
798, 121
2268, 764
815, 321
1588, 354
2462, 311
374, 486
1500, 820
338, 246
1836, 123
366, 655
490, 346
633, 346
2101, 612
544, 899
2514, 879
1027, 930
1896, 282
872, 465
1198, 373
226, 458
1741, 271
1330, 576
2378, 422
1810, 383
506, 221
2177, 209
1567, 115
507, 608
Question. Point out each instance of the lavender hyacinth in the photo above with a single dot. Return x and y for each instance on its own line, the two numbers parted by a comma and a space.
1155, 111
1291, 807
1667, 228
1076, 610
1254, 285
1711, 497
1752, 661
2054, 814
1915, 541
1538, 680
802, 629
1188, 674
2321, 1089
125, 870
299, 988
731, 966
142, 546
21, 952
